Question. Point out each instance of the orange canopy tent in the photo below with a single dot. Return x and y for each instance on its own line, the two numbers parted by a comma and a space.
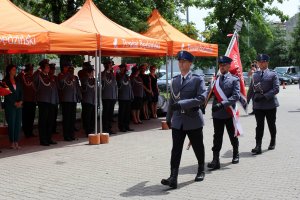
177, 41
114, 40
21, 32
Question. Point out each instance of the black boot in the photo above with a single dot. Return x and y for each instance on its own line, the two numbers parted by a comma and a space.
272, 144
172, 180
201, 174
257, 149
235, 157
215, 163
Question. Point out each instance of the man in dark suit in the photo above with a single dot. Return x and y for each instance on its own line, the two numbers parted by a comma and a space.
227, 93
188, 93
263, 91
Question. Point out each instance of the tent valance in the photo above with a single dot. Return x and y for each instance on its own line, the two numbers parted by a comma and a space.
21, 32
159, 28
113, 38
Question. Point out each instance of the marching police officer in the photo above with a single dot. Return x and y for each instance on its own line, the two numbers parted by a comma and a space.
227, 92
188, 93
125, 96
88, 99
263, 91
69, 89
47, 98
109, 95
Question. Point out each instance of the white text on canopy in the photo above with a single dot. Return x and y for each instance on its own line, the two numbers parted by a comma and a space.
18, 40
140, 44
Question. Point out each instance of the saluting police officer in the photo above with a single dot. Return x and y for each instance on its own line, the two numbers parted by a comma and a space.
88, 99
29, 100
109, 95
125, 96
69, 90
229, 85
263, 90
47, 98
188, 93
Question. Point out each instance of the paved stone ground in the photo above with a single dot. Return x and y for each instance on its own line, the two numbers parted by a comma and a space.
132, 165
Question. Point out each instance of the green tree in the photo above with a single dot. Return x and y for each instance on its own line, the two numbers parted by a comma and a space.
224, 15
278, 49
295, 47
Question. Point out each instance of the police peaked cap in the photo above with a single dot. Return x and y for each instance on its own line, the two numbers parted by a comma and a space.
224, 60
184, 55
263, 57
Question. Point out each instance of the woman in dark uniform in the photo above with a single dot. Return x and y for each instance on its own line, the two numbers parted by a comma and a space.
109, 96
125, 96
88, 100
29, 100
155, 91
137, 89
13, 105
147, 90
68, 100
47, 98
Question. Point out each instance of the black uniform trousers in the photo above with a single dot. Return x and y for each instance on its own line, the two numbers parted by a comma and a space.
69, 119
196, 139
108, 113
46, 115
88, 118
260, 116
219, 125
124, 114
55, 118
28, 114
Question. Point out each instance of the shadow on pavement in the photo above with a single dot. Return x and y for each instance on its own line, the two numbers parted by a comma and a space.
141, 189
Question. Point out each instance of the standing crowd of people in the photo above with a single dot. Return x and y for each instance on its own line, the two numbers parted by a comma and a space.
136, 94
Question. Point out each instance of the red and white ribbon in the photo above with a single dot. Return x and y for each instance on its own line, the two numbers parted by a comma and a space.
230, 110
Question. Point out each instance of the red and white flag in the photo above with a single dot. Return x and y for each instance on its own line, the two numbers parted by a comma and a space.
236, 67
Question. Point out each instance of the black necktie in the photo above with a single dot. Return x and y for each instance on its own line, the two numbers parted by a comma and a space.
182, 80
262, 74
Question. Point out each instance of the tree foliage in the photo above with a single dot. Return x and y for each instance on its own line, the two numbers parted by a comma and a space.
295, 46
224, 14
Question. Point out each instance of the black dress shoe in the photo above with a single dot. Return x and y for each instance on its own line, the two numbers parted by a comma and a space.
44, 144
200, 176
214, 164
172, 180
271, 147
123, 130
68, 139
52, 142
129, 129
236, 159
256, 150
111, 133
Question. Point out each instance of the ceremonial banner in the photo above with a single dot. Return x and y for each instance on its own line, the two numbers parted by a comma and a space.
236, 67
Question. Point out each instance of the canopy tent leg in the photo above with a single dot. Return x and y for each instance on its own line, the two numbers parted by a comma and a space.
96, 91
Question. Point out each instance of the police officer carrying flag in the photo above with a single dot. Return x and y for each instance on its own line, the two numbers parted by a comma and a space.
263, 91
188, 93
227, 92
